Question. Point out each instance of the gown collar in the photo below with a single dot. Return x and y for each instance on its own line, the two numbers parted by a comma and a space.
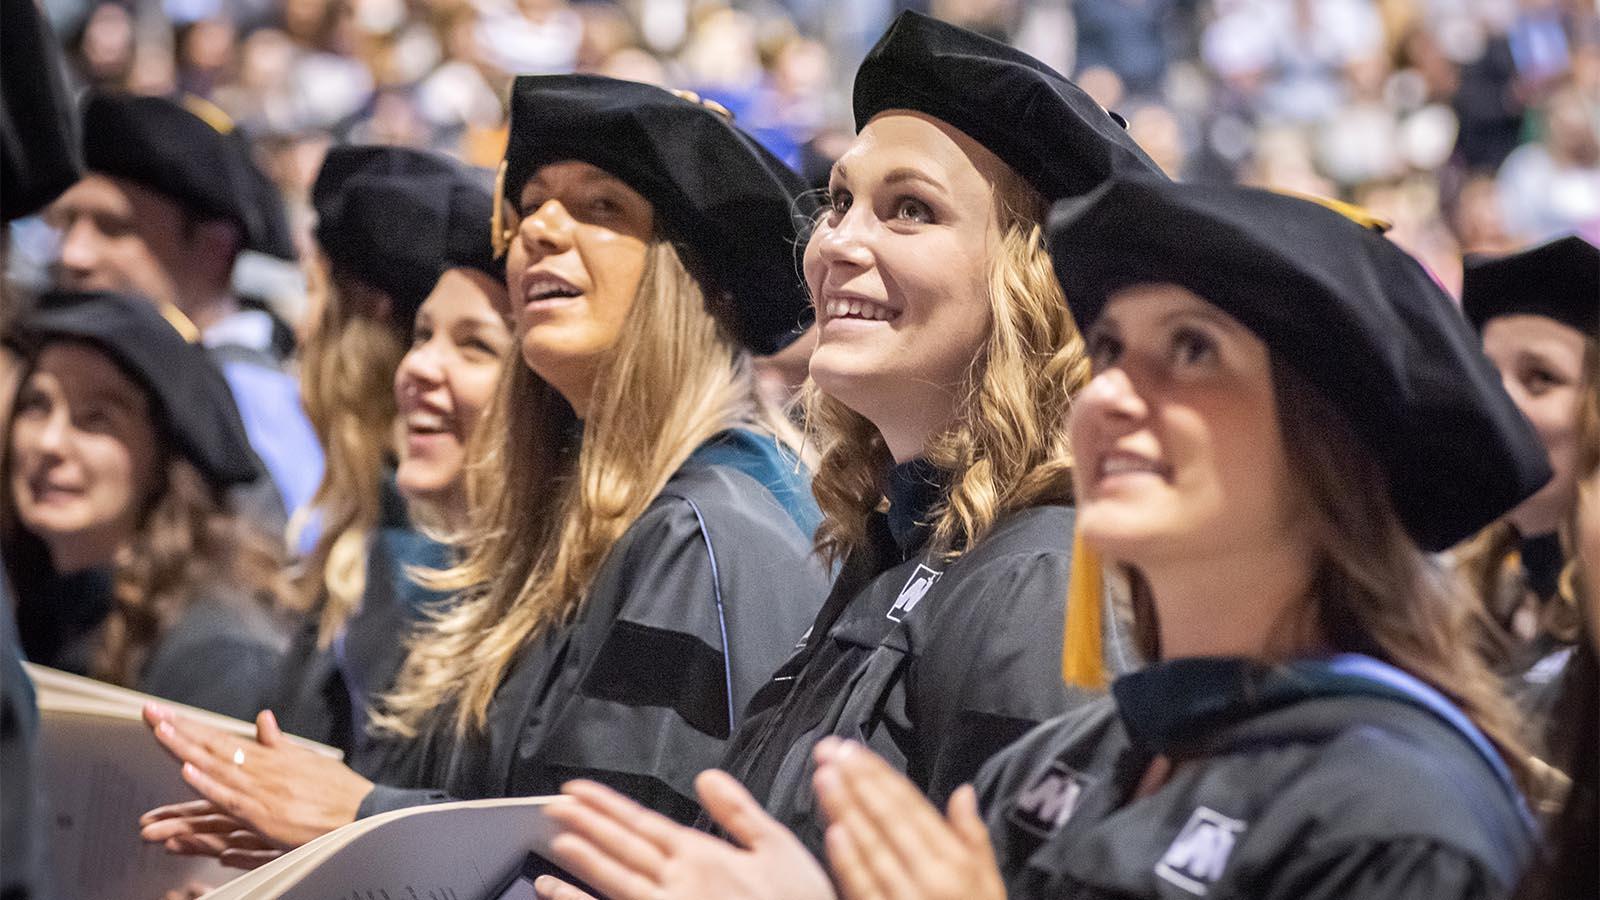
1542, 560
913, 489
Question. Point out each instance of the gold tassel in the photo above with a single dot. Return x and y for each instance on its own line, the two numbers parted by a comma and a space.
180, 322
1082, 644
209, 113
499, 234
1360, 215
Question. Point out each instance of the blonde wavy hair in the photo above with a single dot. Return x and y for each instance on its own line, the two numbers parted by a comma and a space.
1008, 449
347, 383
545, 516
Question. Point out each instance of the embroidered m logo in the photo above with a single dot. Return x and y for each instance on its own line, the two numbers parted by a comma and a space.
1049, 801
917, 587
1196, 859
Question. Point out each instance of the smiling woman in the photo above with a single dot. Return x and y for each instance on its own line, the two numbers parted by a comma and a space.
442, 387
1538, 319
946, 362
1312, 725
399, 232
640, 561
117, 535
636, 558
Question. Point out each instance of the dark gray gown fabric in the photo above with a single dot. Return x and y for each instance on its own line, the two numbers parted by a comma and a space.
693, 608
1293, 783
936, 666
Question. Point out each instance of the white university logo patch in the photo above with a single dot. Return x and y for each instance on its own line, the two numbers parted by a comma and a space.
1196, 859
916, 588
1049, 802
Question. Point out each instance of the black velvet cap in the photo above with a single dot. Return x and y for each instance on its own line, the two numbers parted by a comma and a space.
1559, 280
193, 155
193, 407
1350, 311
38, 145
734, 211
1039, 123
397, 218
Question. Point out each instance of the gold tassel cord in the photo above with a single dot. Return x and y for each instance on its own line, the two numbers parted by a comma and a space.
499, 234
1082, 645
180, 322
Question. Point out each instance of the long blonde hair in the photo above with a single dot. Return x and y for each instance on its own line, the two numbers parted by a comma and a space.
347, 383
545, 517
1008, 449
1373, 591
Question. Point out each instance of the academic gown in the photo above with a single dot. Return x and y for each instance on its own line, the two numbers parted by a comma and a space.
326, 693
219, 654
936, 666
1319, 780
22, 833
693, 607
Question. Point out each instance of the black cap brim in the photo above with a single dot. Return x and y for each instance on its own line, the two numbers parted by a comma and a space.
734, 210
1559, 280
1355, 315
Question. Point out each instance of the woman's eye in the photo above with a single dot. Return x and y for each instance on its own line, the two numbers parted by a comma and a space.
1190, 346
839, 202
912, 210
478, 348
1104, 351
421, 336
93, 418
1538, 381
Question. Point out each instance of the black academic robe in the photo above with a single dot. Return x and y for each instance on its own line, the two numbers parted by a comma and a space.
23, 853
220, 653
936, 666
693, 607
326, 692
1319, 780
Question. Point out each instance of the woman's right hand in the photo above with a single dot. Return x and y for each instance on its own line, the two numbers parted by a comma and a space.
885, 841
629, 852
285, 793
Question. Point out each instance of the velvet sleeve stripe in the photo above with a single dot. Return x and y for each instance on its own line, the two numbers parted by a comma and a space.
640, 665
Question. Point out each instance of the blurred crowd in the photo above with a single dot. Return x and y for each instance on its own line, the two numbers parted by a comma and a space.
1473, 125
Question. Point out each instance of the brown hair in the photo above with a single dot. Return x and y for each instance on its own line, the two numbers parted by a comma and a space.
347, 383
1573, 841
1008, 449
1485, 566
544, 517
187, 539
1373, 590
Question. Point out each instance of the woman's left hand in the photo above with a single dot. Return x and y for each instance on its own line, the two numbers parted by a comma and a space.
201, 828
628, 852
285, 793
885, 841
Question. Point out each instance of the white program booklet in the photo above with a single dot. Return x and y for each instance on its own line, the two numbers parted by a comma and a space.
101, 769
449, 851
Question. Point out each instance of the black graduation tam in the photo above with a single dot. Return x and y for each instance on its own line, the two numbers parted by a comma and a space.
194, 409
1559, 280
1353, 313
1039, 123
397, 218
38, 148
190, 153
733, 210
